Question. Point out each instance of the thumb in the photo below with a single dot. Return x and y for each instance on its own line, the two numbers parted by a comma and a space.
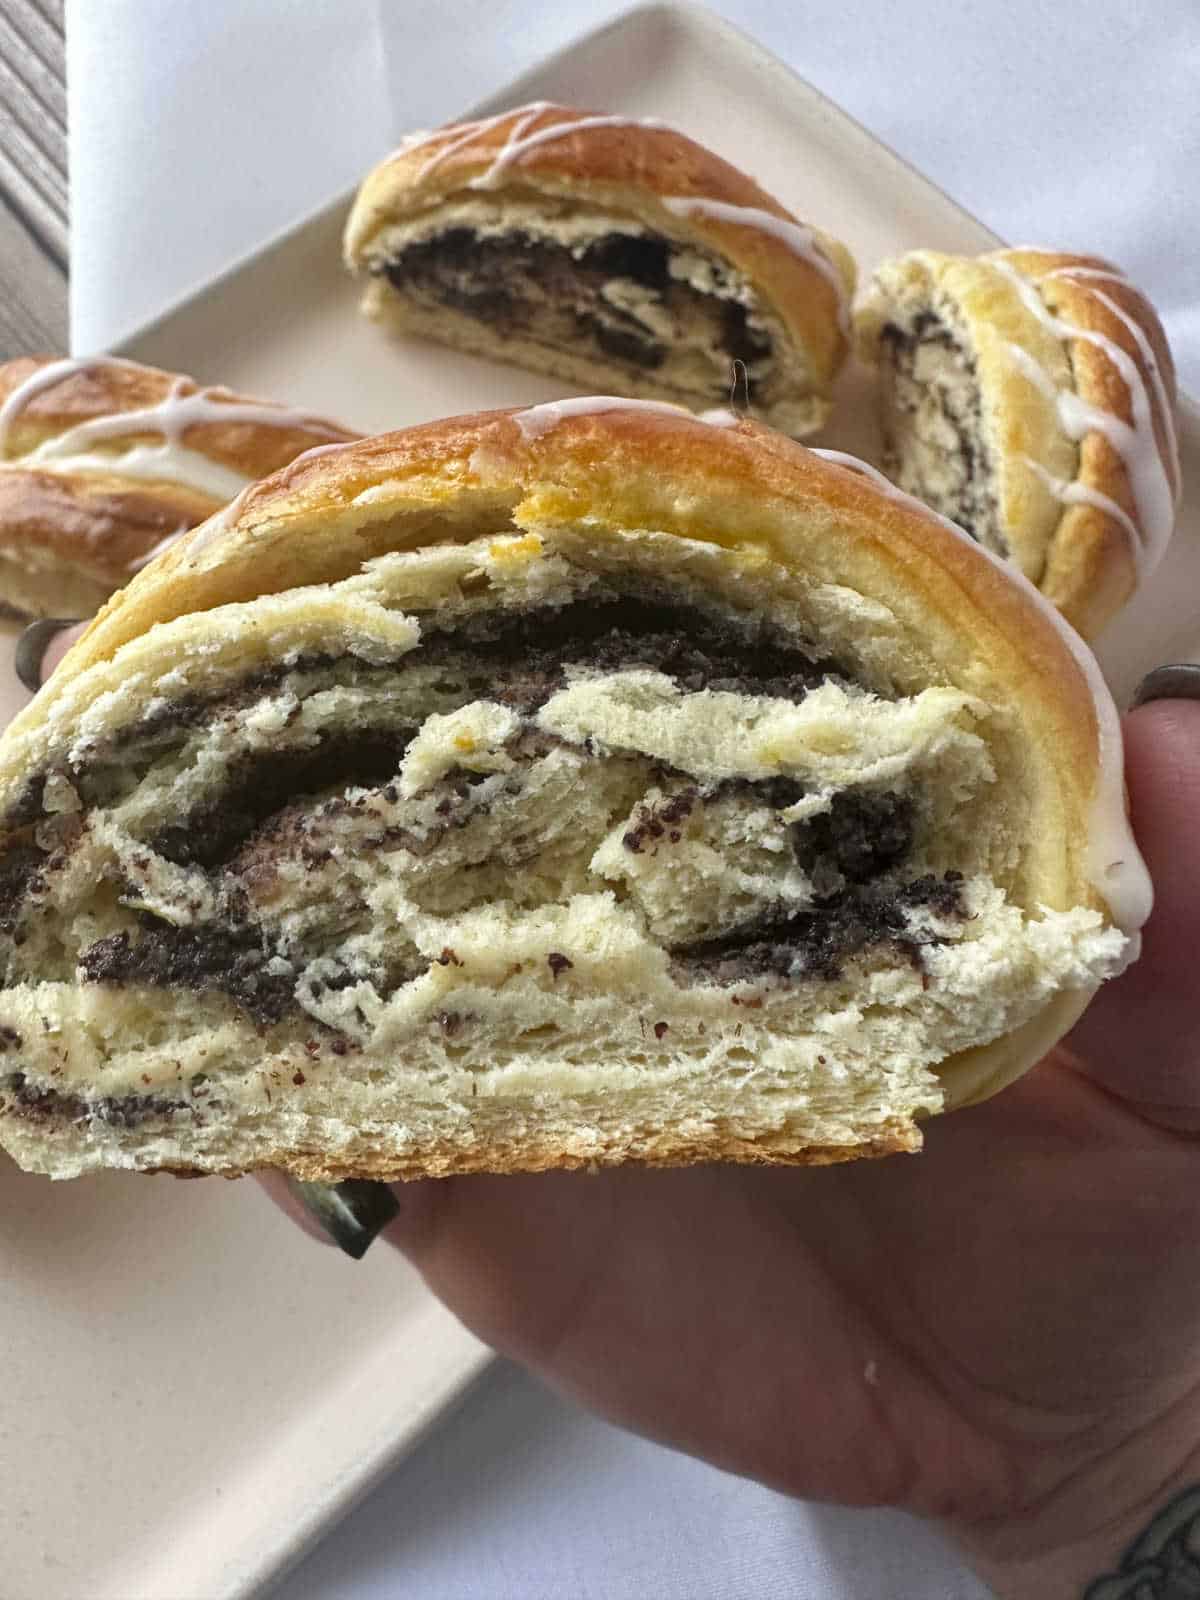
1140, 1038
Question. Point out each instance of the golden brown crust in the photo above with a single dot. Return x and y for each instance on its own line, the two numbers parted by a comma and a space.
100, 527
1091, 571
452, 1160
254, 449
1079, 553
627, 168
69, 538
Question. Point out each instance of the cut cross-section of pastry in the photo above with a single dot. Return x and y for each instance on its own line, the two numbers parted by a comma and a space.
103, 462
611, 251
585, 784
1029, 395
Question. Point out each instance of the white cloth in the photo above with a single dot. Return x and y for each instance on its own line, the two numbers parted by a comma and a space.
199, 131
518, 1496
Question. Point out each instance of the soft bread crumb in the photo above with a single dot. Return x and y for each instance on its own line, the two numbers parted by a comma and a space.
483, 970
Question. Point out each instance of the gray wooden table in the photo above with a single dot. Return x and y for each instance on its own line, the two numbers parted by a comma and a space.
33, 178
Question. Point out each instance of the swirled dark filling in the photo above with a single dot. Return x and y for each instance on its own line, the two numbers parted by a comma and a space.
522, 656
859, 837
264, 784
289, 820
516, 657
819, 942
933, 425
615, 299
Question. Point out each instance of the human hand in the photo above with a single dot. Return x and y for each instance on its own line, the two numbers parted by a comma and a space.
1003, 1333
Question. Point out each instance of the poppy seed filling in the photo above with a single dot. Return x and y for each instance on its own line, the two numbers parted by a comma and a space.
258, 893
621, 297
933, 425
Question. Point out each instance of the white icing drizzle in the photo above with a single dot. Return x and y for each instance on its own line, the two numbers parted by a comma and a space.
222, 521
43, 378
1141, 338
321, 450
162, 463
218, 524
1151, 477
539, 420
1114, 863
171, 461
519, 138
799, 239
1113, 274
165, 543
1075, 418
866, 470
518, 142
1079, 494
466, 132
1034, 371
411, 139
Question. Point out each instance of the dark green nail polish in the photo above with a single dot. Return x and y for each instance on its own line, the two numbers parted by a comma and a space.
32, 646
353, 1213
1180, 681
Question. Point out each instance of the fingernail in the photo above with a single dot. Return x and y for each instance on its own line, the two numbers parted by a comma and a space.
353, 1213
32, 646
1178, 682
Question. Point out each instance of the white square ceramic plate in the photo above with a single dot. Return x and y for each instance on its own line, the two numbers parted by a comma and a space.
192, 1390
